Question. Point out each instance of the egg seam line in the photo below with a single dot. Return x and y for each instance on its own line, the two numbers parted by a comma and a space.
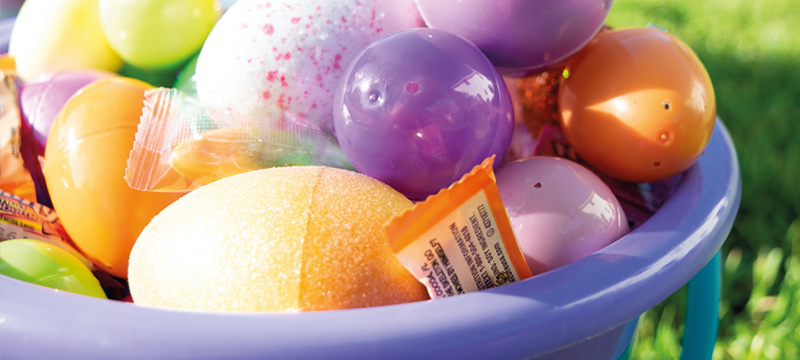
305, 234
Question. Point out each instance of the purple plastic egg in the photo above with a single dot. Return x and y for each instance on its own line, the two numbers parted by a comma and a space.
559, 210
40, 102
6, 25
419, 108
519, 36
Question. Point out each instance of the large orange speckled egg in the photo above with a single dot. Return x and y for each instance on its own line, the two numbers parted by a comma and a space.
86, 155
637, 104
277, 240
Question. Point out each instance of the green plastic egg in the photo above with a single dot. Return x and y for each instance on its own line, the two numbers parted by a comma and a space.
157, 33
48, 265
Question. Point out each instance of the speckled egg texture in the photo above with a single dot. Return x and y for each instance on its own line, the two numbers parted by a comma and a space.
278, 59
275, 240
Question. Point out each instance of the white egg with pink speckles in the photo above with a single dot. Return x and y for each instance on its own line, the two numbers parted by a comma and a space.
266, 59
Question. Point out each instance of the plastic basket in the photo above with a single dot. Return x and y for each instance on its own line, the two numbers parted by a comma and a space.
586, 309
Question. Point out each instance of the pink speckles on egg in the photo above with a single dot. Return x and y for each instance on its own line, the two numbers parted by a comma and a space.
268, 29
300, 50
336, 59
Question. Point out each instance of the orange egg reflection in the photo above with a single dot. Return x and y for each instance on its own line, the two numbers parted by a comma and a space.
86, 155
637, 104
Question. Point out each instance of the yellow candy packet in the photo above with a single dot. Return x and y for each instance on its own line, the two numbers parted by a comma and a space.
460, 240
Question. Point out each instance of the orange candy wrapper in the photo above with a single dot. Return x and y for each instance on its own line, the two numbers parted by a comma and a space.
460, 240
14, 178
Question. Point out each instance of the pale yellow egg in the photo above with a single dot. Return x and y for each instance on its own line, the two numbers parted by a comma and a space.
56, 35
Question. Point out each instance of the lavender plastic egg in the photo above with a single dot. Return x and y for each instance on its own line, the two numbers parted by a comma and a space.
40, 102
559, 210
6, 25
519, 36
9, 8
419, 108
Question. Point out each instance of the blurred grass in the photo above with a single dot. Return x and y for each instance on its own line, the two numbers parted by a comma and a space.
751, 49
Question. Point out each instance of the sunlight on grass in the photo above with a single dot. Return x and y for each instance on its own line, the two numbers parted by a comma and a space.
751, 50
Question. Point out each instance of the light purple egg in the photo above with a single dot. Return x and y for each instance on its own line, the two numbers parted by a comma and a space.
40, 103
420, 108
519, 36
559, 210
6, 25
9, 8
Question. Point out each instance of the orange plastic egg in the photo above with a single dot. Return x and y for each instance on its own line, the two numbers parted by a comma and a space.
637, 104
86, 155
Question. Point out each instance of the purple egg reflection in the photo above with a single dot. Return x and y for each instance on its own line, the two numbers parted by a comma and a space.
419, 108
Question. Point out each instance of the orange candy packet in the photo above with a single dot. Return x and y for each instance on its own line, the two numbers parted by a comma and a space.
460, 240
14, 178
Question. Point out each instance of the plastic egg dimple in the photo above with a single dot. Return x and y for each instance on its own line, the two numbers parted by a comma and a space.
85, 160
559, 210
52, 36
420, 108
48, 265
40, 102
637, 104
519, 36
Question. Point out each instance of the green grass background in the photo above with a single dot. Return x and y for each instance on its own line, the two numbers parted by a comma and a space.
751, 49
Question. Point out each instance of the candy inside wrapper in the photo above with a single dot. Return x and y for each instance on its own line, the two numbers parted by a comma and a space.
179, 146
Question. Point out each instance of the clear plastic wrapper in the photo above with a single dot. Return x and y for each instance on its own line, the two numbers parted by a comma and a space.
180, 147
